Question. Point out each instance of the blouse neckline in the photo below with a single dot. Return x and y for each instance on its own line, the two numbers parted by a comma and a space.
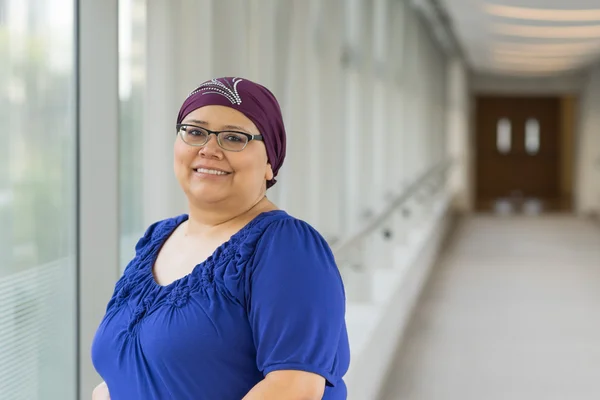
169, 228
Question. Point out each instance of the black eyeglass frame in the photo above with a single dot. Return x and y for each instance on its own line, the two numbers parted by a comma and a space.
216, 133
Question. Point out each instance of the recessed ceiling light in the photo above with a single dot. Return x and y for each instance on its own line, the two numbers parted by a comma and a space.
532, 68
551, 47
525, 73
559, 63
587, 47
554, 32
541, 53
541, 14
556, 45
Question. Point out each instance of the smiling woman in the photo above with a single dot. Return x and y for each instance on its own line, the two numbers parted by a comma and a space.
237, 298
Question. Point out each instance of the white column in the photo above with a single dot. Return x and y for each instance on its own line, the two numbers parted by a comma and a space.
265, 62
283, 15
314, 116
175, 67
229, 21
442, 106
282, 78
353, 111
332, 132
417, 77
193, 42
382, 133
299, 158
397, 90
403, 114
98, 173
587, 189
425, 117
261, 37
411, 97
368, 195
162, 194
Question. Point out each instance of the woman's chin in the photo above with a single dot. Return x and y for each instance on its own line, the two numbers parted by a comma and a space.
206, 196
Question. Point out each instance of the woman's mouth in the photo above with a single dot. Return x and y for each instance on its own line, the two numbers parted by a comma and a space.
211, 171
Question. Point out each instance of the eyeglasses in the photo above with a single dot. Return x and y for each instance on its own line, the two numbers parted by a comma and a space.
227, 140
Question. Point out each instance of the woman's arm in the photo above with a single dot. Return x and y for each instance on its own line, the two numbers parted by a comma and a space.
296, 309
101, 392
288, 385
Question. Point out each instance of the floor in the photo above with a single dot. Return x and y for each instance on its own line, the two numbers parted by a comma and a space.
511, 312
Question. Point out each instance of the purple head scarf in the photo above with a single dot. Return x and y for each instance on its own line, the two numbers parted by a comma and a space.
254, 101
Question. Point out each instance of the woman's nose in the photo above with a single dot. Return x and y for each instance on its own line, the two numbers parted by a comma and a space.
211, 148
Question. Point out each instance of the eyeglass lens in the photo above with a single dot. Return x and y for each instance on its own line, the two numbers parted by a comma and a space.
196, 136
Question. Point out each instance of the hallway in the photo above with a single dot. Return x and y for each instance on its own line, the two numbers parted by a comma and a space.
393, 116
510, 312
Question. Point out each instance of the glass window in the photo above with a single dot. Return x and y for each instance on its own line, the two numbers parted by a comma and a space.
132, 85
38, 345
503, 135
532, 136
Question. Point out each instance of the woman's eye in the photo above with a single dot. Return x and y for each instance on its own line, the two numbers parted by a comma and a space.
233, 138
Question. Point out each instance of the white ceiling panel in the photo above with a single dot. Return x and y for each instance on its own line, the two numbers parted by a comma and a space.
527, 37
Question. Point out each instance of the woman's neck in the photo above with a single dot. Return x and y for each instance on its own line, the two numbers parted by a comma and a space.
203, 221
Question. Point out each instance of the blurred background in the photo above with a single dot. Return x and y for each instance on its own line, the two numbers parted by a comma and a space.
448, 150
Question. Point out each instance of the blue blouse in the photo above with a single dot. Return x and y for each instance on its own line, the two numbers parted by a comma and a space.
270, 298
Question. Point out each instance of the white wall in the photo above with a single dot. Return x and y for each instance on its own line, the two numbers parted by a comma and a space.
587, 182
418, 137
385, 321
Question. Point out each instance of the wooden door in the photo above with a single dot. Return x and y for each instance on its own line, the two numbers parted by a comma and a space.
518, 154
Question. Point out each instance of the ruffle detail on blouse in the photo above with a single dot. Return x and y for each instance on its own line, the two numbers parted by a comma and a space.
223, 271
140, 311
178, 296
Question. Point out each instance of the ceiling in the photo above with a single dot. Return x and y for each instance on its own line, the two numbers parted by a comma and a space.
527, 37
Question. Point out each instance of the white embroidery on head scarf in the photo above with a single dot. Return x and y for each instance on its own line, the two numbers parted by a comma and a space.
217, 87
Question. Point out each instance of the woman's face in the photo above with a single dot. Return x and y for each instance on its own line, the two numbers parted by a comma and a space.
246, 171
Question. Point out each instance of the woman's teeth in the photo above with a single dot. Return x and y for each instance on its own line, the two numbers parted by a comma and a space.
210, 171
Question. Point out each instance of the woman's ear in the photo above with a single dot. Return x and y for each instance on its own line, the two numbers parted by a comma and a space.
269, 173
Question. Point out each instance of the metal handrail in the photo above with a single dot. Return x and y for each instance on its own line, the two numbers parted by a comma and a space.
374, 222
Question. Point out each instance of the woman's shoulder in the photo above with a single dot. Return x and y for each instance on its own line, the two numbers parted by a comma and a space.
274, 228
271, 239
281, 225
291, 249
289, 234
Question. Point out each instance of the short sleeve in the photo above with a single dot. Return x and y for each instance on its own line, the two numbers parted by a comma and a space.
141, 245
296, 303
